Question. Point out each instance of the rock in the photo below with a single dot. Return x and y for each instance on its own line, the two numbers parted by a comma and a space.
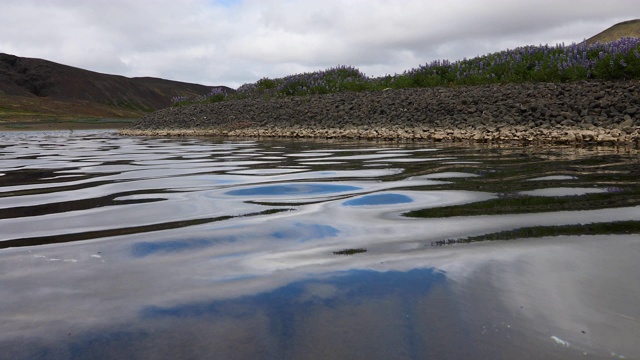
627, 123
566, 115
535, 112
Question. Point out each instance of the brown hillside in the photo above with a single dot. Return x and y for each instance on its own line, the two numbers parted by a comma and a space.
629, 28
85, 91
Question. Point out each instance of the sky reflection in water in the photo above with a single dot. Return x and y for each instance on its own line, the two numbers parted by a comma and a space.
293, 189
204, 246
379, 199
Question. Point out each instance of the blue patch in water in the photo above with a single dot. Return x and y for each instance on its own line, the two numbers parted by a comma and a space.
293, 189
306, 232
288, 316
282, 304
379, 199
147, 248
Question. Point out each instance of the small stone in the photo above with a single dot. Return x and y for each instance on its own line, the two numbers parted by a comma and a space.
566, 114
628, 122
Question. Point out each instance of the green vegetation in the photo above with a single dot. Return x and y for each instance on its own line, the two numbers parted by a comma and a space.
33, 110
616, 60
130, 105
216, 95
55, 123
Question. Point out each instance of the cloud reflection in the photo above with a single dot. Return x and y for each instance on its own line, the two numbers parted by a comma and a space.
305, 232
147, 248
353, 286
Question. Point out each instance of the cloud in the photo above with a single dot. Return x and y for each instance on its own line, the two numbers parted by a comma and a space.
235, 41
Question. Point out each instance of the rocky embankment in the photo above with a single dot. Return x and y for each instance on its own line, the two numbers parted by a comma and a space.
579, 112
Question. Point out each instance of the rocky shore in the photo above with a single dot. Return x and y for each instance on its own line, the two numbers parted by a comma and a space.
567, 113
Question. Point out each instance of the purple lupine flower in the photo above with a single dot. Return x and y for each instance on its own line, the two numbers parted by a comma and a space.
178, 99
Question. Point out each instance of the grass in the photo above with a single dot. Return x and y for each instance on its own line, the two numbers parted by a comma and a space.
66, 124
31, 110
130, 105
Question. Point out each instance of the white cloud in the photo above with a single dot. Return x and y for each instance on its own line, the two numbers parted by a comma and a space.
234, 41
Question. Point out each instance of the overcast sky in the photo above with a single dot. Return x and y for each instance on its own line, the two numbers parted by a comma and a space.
231, 42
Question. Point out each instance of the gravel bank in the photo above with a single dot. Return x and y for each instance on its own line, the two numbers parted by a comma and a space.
570, 113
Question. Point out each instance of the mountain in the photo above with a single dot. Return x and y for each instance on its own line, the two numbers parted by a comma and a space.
35, 86
629, 28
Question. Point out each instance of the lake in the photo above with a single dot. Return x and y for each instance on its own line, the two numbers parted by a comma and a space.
117, 247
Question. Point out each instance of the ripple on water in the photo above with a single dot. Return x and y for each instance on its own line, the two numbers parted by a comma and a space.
446, 175
379, 199
563, 191
293, 189
267, 171
554, 178
165, 243
406, 160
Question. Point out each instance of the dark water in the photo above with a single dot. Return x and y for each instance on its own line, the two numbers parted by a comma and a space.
118, 248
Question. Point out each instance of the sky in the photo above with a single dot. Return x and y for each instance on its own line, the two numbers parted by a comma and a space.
232, 42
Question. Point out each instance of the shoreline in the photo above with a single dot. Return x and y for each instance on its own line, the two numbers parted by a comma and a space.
56, 125
600, 113
562, 136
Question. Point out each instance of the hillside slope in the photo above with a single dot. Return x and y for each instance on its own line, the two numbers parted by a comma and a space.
40, 82
629, 28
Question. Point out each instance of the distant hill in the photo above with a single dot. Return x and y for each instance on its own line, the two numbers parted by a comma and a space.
33, 86
629, 28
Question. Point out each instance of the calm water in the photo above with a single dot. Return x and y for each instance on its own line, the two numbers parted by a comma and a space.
114, 247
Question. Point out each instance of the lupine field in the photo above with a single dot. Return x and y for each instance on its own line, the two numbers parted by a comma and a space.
617, 60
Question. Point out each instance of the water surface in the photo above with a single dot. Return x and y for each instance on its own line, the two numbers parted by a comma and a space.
118, 247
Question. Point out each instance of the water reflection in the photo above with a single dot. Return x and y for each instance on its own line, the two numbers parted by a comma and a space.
379, 199
305, 319
293, 189
563, 191
118, 247
305, 232
350, 287
554, 177
146, 248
